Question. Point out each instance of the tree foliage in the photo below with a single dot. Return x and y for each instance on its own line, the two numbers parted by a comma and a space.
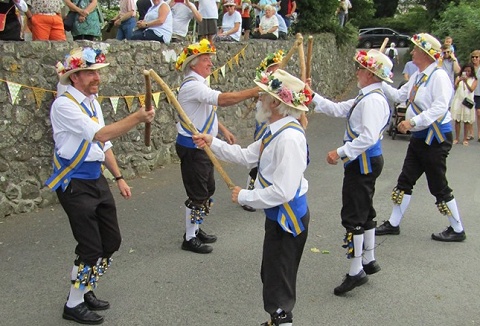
385, 8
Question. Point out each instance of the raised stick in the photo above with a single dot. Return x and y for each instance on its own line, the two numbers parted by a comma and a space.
191, 126
308, 73
148, 105
301, 57
384, 45
294, 47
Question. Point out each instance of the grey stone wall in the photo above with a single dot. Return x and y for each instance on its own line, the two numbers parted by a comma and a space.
26, 144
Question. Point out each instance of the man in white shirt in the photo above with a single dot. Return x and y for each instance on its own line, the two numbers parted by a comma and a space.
183, 11
231, 24
280, 188
82, 145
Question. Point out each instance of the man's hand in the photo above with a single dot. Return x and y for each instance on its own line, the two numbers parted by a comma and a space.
333, 157
404, 126
146, 116
202, 140
229, 137
235, 192
124, 189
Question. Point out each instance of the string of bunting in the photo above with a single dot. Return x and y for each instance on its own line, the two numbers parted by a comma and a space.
39, 93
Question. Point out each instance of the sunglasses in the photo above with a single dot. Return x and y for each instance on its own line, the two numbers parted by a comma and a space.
474, 57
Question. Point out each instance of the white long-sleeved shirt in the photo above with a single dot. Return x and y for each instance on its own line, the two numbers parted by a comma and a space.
368, 119
282, 163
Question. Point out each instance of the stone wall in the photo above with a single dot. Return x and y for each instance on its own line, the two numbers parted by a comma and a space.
26, 143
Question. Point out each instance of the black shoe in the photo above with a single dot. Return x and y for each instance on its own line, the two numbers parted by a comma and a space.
449, 235
93, 303
284, 318
372, 267
387, 228
249, 208
82, 315
195, 245
206, 238
351, 282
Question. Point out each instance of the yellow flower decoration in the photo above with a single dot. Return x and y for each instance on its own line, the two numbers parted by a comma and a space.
201, 47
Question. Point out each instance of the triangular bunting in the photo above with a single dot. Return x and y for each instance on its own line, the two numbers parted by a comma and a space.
129, 101
242, 52
215, 75
38, 94
223, 70
141, 99
236, 58
13, 89
114, 100
156, 98
100, 99
230, 64
208, 80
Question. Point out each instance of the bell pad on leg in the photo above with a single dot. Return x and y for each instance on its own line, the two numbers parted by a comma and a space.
397, 196
443, 208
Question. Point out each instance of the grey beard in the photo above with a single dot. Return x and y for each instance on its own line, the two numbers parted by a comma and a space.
262, 114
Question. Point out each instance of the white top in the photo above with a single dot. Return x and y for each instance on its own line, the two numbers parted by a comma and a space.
268, 23
22, 6
71, 126
368, 119
283, 163
208, 8
197, 99
349, 5
182, 15
164, 29
395, 52
432, 97
228, 22
282, 27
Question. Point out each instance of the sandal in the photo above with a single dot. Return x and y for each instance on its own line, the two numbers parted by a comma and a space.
465, 143
470, 138
455, 141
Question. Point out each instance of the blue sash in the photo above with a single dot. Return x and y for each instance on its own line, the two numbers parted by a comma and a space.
375, 150
287, 215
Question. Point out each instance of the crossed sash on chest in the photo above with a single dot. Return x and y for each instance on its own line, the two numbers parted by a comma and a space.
63, 169
287, 215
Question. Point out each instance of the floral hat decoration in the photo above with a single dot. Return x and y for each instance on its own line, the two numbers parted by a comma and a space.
270, 60
192, 51
285, 87
428, 44
80, 59
376, 62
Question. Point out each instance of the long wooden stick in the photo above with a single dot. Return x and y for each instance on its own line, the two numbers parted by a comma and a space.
148, 105
384, 44
301, 58
294, 47
308, 73
191, 126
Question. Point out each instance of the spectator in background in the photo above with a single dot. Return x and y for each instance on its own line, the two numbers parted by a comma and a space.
349, 6
409, 69
231, 24
157, 24
13, 28
449, 41
268, 28
475, 58
183, 11
125, 20
392, 53
341, 10
287, 8
87, 25
45, 20
449, 62
207, 28
142, 8
282, 27
244, 7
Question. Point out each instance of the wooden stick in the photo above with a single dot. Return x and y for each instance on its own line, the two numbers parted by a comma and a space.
294, 47
384, 45
301, 58
148, 105
191, 126
309, 56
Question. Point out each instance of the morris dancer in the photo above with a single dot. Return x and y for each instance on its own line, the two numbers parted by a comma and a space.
280, 188
428, 92
82, 145
367, 116
198, 101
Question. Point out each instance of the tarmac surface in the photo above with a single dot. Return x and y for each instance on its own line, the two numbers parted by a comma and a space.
153, 282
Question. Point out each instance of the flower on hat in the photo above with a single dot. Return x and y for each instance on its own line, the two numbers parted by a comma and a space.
373, 65
427, 46
304, 97
270, 59
203, 46
80, 58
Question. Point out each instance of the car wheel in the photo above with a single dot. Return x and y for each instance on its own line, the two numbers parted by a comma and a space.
402, 44
367, 44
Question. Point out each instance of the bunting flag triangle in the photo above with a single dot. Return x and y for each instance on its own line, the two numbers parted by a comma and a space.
114, 101
129, 101
38, 93
13, 89
230, 64
141, 99
100, 99
215, 75
242, 52
236, 59
156, 98
208, 80
223, 70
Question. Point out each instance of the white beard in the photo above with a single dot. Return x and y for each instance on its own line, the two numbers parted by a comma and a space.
262, 114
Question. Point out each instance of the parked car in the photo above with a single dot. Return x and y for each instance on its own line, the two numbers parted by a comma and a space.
373, 37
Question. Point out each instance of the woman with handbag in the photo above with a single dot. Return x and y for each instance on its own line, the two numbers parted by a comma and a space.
87, 23
10, 27
463, 106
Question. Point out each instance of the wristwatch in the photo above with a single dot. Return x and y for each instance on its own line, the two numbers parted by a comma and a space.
412, 122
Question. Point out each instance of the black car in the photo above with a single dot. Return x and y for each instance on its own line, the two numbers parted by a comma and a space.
373, 37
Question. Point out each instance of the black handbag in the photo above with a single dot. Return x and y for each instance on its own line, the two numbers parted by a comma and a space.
469, 103
69, 19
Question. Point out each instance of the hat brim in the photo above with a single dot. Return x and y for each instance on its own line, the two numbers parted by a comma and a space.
193, 56
421, 48
387, 79
65, 80
264, 87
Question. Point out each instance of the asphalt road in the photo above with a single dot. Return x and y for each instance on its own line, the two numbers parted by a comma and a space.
153, 282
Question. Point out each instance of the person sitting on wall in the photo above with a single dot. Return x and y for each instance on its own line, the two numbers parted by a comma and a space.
268, 28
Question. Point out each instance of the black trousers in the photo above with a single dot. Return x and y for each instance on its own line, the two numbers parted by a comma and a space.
197, 173
281, 257
91, 211
431, 160
357, 195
